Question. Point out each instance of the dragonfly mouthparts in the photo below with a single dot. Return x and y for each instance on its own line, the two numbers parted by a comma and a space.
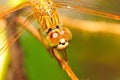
62, 44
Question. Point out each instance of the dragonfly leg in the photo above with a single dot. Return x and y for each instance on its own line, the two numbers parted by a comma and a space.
64, 55
58, 56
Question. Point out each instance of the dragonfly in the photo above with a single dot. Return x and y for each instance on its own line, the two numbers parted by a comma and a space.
44, 11
57, 37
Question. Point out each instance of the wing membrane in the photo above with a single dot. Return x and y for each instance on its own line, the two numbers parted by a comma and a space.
23, 5
98, 7
13, 35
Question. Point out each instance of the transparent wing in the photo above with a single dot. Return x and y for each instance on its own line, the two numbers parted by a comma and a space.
105, 8
21, 6
14, 34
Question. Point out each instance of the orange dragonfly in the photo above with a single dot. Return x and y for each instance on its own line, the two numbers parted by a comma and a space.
44, 11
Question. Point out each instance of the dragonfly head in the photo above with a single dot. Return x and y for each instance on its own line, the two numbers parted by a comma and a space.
59, 38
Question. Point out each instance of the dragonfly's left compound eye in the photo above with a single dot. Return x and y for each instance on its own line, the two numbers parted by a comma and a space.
59, 38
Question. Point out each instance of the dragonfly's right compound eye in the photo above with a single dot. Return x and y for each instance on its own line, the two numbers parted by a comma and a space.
59, 38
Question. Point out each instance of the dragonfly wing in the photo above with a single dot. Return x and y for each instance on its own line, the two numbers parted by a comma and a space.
92, 8
110, 6
13, 34
21, 6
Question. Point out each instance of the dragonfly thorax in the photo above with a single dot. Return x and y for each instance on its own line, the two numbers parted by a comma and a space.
59, 38
46, 14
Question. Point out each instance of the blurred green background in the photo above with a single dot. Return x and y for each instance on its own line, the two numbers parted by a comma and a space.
91, 55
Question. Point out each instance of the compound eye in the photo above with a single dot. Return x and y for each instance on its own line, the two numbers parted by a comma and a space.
53, 38
62, 32
65, 33
54, 35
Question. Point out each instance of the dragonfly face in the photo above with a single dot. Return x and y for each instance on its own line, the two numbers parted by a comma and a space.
59, 38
